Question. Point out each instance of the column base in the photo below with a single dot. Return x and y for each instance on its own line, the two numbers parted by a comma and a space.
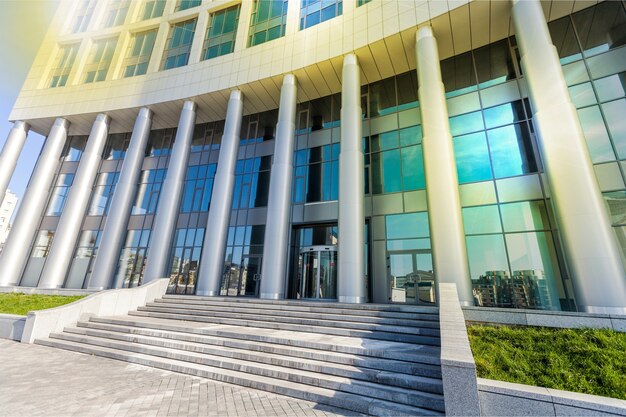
208, 293
272, 296
604, 310
351, 299
96, 288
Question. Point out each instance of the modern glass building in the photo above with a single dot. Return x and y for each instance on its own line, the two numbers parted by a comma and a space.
348, 150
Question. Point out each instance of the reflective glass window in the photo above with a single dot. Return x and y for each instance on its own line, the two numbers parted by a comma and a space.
152, 8
178, 44
494, 64
116, 13
313, 12
82, 16
407, 225
99, 60
458, 75
616, 203
611, 87
504, 114
221, 33
186, 4
139, 53
524, 216
268, 21
472, 157
466, 123
62, 65
615, 114
564, 39
597, 137
601, 28
479, 220
59, 194
487, 256
511, 152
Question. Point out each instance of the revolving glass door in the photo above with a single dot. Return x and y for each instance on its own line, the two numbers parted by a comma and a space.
318, 273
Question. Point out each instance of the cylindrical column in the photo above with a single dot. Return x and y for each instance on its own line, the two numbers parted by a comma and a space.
591, 247
17, 247
158, 257
278, 223
10, 154
351, 268
447, 235
68, 228
214, 247
114, 231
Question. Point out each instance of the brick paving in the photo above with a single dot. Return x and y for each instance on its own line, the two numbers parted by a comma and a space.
41, 381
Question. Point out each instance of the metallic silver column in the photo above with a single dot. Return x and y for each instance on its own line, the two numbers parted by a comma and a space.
214, 247
68, 228
10, 154
158, 257
591, 247
351, 268
18, 245
278, 223
107, 258
447, 235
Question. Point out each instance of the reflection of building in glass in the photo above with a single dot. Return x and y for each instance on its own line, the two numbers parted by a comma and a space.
417, 285
212, 144
526, 289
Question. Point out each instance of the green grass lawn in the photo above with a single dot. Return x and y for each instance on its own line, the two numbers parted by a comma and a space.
19, 303
590, 361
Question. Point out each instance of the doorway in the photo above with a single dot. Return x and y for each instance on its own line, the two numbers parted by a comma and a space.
246, 280
318, 273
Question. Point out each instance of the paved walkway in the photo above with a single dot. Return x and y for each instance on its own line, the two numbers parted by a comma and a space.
41, 381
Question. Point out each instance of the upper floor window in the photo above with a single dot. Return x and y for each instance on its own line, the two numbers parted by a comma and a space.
360, 3
178, 44
84, 11
116, 14
139, 53
221, 33
313, 12
186, 4
99, 60
268, 21
63, 65
152, 9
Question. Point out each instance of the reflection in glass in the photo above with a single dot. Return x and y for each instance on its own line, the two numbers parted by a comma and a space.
511, 151
485, 219
407, 225
615, 114
596, 136
472, 158
527, 215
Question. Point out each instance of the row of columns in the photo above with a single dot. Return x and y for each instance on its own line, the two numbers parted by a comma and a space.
592, 249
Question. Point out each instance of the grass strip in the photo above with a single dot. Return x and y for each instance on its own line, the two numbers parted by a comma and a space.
20, 303
590, 361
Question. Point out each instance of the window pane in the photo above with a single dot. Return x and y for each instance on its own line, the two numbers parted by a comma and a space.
528, 215
487, 256
596, 135
472, 158
478, 220
405, 226
511, 151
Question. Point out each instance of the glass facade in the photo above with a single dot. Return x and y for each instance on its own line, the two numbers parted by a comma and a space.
139, 53
221, 33
268, 21
591, 47
99, 60
62, 66
313, 12
515, 255
178, 45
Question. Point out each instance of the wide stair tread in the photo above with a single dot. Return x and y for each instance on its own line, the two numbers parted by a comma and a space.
331, 396
366, 371
429, 314
375, 332
397, 351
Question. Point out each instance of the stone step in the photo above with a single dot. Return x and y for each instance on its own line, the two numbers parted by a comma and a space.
310, 326
158, 305
391, 325
401, 308
422, 365
381, 349
379, 376
251, 372
310, 307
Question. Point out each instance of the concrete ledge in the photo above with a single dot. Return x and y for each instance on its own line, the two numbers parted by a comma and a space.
41, 323
46, 291
541, 318
458, 369
498, 398
11, 326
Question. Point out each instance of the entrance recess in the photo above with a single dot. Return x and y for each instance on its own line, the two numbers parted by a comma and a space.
318, 272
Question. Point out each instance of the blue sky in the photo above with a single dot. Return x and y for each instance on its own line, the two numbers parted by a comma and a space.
23, 23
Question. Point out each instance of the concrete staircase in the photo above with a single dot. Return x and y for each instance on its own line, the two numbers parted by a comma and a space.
372, 359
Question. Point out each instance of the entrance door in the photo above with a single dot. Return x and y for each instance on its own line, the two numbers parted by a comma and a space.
249, 276
318, 273
411, 279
